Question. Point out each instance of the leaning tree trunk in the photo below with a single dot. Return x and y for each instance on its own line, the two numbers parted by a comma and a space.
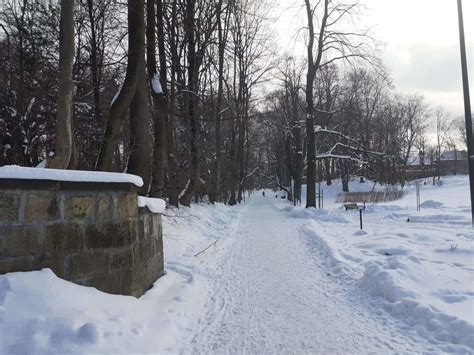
141, 138
64, 126
141, 128
121, 103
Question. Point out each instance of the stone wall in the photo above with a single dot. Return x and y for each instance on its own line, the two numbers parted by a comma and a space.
93, 234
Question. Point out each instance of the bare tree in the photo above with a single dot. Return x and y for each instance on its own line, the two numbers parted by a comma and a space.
443, 126
122, 101
414, 115
223, 26
64, 128
326, 45
460, 126
159, 90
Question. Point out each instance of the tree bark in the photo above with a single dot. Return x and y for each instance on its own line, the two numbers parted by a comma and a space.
173, 188
94, 61
193, 73
313, 66
141, 138
121, 103
160, 109
311, 144
215, 179
64, 127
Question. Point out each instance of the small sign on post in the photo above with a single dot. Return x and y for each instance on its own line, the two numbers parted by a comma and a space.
417, 187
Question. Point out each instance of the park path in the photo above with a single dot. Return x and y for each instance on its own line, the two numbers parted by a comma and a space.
273, 293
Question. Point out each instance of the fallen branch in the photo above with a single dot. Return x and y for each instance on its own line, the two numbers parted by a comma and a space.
210, 245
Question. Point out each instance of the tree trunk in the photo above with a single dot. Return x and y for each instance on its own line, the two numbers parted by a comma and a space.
193, 73
121, 103
141, 129
64, 126
94, 61
299, 157
173, 188
240, 158
345, 177
215, 179
313, 66
311, 144
234, 175
328, 172
160, 108
141, 138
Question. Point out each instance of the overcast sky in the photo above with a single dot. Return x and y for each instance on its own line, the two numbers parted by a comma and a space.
421, 43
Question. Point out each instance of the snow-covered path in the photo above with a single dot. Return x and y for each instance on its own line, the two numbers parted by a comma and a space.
264, 277
273, 293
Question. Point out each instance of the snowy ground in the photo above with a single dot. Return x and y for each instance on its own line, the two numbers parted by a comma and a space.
274, 279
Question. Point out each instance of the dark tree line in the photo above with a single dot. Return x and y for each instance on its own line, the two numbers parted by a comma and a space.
176, 91
164, 89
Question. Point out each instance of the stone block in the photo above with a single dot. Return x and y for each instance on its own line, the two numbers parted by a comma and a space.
64, 237
82, 265
9, 208
142, 251
23, 263
147, 224
41, 208
20, 241
157, 225
146, 273
111, 235
105, 208
53, 261
123, 259
116, 281
79, 208
127, 206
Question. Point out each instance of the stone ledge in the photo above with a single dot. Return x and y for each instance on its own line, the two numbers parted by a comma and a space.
53, 185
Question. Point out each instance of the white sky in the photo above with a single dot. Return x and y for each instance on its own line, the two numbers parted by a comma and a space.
421, 43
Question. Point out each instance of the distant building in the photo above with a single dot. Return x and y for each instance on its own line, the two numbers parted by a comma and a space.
451, 163
454, 155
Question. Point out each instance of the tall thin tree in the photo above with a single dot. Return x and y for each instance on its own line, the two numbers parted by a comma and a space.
64, 126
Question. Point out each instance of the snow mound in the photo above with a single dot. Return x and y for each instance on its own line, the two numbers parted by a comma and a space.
431, 204
43, 314
155, 205
330, 257
387, 283
18, 172
317, 214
